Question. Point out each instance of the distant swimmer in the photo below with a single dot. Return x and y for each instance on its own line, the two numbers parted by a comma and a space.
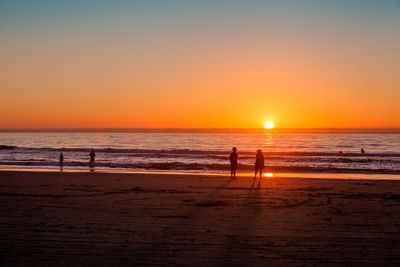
233, 160
92, 155
61, 159
259, 164
362, 151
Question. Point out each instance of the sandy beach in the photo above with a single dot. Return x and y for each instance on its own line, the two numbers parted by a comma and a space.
50, 219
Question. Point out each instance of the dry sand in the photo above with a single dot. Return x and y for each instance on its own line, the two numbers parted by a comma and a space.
55, 219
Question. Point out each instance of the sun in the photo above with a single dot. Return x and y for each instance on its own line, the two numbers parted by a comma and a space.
269, 125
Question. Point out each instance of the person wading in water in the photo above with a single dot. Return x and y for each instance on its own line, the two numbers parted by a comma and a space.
92, 155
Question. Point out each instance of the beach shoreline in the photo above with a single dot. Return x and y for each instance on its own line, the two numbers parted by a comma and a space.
266, 174
70, 218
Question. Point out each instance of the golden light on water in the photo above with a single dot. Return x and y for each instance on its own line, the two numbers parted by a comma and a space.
268, 174
269, 125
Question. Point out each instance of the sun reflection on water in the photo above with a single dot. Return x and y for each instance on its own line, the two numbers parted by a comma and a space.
268, 140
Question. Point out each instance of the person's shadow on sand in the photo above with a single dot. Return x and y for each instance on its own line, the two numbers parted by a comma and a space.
237, 236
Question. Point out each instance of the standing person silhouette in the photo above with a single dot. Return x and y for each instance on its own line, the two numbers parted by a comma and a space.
233, 160
61, 160
259, 164
92, 155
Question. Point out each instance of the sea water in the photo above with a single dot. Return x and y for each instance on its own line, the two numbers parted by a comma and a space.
204, 151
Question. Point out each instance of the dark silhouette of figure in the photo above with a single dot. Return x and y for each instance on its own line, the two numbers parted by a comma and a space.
61, 159
362, 151
92, 155
340, 152
259, 164
61, 162
233, 159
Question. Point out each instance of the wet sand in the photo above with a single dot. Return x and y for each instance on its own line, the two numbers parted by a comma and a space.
51, 219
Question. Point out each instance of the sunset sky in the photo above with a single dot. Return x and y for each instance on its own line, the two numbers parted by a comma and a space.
200, 63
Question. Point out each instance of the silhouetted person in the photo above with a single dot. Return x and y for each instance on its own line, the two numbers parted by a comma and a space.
259, 164
233, 159
61, 159
92, 155
362, 151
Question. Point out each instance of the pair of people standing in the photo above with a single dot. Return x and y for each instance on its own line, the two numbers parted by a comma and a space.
258, 165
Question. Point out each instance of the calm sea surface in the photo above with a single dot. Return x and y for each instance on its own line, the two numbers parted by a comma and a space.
284, 152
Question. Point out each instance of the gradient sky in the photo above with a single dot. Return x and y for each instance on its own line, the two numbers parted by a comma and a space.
200, 63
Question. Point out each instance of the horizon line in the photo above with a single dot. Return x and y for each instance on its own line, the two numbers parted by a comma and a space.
210, 129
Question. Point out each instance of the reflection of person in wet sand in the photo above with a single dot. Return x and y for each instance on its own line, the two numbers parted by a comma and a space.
259, 164
92, 155
233, 159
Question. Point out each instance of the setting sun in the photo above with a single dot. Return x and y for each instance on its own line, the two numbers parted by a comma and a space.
269, 125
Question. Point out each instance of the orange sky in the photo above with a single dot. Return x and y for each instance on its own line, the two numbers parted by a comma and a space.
219, 75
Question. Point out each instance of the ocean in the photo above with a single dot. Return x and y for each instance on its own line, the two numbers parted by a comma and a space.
204, 151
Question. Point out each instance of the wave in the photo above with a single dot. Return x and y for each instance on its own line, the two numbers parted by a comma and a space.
5, 147
195, 153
